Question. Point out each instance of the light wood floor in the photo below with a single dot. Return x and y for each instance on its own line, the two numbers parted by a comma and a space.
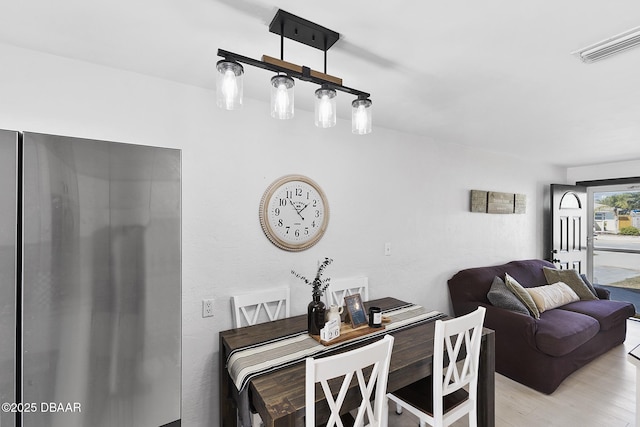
601, 394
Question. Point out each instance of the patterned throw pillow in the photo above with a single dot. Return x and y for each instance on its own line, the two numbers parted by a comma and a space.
571, 278
500, 296
522, 295
551, 296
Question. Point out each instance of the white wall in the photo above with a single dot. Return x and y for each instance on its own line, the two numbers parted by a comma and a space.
384, 187
626, 169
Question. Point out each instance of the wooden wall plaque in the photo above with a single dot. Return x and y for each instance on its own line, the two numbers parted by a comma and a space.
498, 203
479, 201
521, 204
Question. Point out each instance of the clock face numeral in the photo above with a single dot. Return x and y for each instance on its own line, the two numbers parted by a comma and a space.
294, 213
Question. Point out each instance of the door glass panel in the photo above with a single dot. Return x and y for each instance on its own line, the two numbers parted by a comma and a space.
570, 201
616, 242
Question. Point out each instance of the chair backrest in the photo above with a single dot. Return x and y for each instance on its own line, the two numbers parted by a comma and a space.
249, 306
340, 288
344, 366
453, 338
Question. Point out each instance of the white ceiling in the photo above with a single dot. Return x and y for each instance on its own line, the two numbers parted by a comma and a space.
494, 74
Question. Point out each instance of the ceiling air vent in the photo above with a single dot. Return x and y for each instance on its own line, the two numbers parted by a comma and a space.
610, 46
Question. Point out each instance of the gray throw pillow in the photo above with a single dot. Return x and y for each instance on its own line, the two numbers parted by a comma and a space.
589, 285
571, 278
500, 296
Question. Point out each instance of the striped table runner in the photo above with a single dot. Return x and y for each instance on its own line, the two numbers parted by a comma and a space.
249, 362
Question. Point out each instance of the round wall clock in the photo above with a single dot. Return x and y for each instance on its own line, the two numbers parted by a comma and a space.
294, 213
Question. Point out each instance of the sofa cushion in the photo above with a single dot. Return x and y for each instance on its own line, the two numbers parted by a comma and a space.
522, 294
559, 332
608, 313
501, 296
552, 296
571, 278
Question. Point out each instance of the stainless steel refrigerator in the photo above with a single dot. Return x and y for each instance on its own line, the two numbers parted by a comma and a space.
90, 282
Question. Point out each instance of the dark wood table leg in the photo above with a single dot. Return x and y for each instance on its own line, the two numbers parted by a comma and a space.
487, 382
289, 421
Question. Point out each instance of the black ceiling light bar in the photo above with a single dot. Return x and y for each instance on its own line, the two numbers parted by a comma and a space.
300, 72
287, 25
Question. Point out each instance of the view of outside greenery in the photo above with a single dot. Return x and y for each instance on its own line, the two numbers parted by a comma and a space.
616, 255
622, 204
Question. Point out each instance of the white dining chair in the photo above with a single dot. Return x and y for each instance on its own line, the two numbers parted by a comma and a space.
441, 399
343, 366
247, 309
340, 288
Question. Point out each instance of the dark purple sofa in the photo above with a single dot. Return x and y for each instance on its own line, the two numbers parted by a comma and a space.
541, 353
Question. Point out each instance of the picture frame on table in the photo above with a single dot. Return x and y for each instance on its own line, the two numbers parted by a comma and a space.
355, 308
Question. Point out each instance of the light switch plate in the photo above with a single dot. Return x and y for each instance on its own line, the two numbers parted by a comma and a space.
387, 249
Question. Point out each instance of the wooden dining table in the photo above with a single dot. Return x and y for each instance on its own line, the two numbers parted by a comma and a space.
279, 396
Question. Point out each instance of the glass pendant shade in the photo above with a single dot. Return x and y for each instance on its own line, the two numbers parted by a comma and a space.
361, 116
229, 85
325, 107
282, 97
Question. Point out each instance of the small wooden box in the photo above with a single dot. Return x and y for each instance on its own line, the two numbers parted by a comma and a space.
347, 333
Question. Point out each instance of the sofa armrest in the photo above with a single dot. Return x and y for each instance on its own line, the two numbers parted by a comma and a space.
601, 292
512, 329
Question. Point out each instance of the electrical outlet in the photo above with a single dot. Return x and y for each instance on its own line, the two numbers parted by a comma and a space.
207, 308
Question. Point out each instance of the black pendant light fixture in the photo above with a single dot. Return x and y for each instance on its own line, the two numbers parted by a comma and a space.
282, 99
229, 78
325, 107
229, 85
361, 116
